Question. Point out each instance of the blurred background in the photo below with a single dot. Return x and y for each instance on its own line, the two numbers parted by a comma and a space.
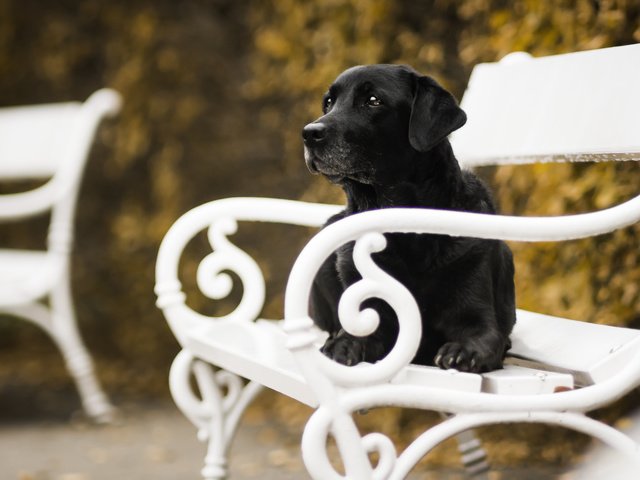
215, 95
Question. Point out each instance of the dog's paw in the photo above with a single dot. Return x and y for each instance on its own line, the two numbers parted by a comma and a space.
465, 359
344, 349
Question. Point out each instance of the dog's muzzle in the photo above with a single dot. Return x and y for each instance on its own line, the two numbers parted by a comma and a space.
310, 161
314, 135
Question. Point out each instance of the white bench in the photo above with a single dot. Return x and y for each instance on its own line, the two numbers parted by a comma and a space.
50, 142
581, 106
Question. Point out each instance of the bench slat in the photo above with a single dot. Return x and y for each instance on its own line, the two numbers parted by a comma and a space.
517, 380
257, 351
52, 125
579, 106
590, 352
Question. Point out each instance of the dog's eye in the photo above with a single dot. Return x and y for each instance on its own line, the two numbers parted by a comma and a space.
327, 104
374, 101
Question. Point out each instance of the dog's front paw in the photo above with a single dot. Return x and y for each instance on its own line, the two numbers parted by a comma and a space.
345, 349
466, 359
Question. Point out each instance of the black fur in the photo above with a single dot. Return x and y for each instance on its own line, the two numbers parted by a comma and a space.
383, 139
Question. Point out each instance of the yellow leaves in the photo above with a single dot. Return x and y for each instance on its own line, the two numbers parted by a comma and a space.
472, 8
500, 18
54, 67
541, 28
188, 108
144, 26
129, 229
135, 143
301, 46
272, 42
168, 60
594, 279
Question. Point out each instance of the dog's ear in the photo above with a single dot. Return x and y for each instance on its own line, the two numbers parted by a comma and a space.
434, 114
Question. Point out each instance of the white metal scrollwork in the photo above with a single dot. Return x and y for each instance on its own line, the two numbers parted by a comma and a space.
375, 283
216, 284
354, 449
215, 410
332, 418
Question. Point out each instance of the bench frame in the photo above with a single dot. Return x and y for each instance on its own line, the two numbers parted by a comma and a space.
52, 142
287, 359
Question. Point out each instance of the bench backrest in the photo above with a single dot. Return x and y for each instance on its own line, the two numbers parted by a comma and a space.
50, 141
581, 106
34, 139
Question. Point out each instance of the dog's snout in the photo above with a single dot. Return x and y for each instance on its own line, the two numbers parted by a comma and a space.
314, 133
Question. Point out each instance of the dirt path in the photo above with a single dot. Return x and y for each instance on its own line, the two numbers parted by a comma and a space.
154, 443
158, 443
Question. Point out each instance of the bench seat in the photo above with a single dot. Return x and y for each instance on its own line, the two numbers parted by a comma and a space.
590, 352
520, 110
575, 354
48, 146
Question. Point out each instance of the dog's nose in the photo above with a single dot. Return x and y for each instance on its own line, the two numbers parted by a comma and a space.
314, 133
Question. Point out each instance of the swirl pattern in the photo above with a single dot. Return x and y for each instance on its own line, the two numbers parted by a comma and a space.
216, 284
375, 283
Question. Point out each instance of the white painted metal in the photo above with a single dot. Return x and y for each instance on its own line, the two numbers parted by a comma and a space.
50, 141
255, 350
52, 125
604, 360
596, 352
575, 107
515, 380
216, 414
460, 423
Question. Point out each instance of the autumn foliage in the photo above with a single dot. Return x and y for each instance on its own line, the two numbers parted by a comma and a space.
216, 93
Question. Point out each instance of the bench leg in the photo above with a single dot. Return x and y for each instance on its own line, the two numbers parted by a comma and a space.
354, 449
79, 363
463, 422
215, 409
473, 456
59, 323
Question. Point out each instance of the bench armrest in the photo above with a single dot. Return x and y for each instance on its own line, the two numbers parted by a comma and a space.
367, 229
67, 170
16, 206
220, 218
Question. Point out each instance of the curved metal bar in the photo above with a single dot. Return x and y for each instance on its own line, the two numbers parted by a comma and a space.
417, 396
16, 206
220, 218
392, 467
459, 224
234, 413
58, 321
239, 209
352, 449
180, 387
455, 425
215, 461
64, 183
375, 283
216, 416
226, 256
33, 312
418, 220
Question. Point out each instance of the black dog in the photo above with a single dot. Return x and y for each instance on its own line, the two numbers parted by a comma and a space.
383, 139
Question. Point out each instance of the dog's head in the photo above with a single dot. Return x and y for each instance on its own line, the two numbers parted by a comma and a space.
376, 119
